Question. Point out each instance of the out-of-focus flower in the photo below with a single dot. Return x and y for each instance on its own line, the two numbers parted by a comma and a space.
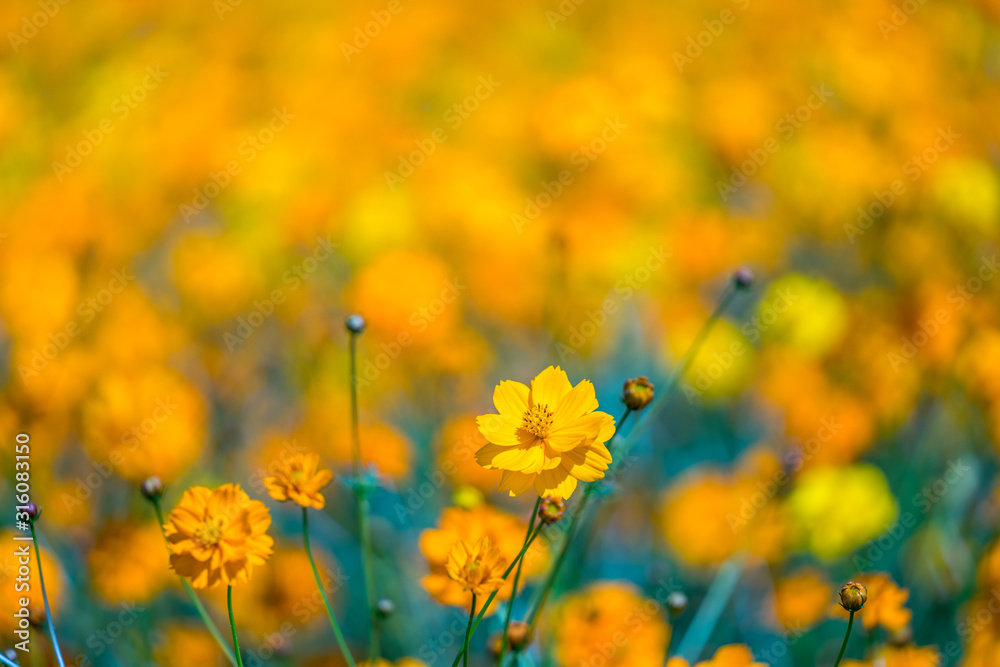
402, 662
385, 448
188, 645
734, 655
839, 509
128, 562
547, 437
806, 314
885, 605
518, 638
300, 480
217, 537
460, 439
503, 530
149, 423
586, 623
477, 568
551, 509
724, 365
55, 583
801, 599
911, 656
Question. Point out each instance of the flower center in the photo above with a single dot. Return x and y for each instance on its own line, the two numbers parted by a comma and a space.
298, 477
209, 533
538, 420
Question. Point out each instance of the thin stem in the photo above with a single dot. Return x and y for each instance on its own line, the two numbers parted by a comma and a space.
517, 577
468, 633
711, 608
232, 624
843, 647
489, 600
364, 509
199, 607
326, 601
45, 597
7, 662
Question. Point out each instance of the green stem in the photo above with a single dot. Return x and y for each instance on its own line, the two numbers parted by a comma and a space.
199, 607
232, 624
45, 597
468, 633
489, 600
843, 647
364, 509
517, 578
326, 601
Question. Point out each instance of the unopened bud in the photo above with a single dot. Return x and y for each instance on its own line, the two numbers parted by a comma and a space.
33, 511
637, 393
384, 608
152, 488
677, 602
853, 596
552, 509
743, 278
355, 323
518, 639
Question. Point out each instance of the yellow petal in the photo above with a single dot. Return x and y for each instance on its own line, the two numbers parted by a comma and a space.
511, 398
515, 482
578, 402
549, 387
523, 459
556, 482
586, 464
581, 431
499, 429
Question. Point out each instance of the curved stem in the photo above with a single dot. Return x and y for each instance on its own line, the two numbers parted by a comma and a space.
199, 607
232, 624
364, 509
468, 633
843, 647
45, 598
7, 662
326, 601
489, 600
517, 578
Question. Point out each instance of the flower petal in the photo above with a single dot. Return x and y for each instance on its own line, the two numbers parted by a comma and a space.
515, 482
549, 387
555, 482
581, 431
499, 429
578, 402
523, 459
586, 464
511, 398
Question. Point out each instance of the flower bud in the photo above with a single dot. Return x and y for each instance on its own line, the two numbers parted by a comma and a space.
853, 596
552, 509
384, 608
517, 639
355, 323
152, 488
33, 511
743, 278
637, 393
677, 602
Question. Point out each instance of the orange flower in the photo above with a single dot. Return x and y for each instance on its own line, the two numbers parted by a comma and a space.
478, 569
801, 599
734, 655
299, 479
547, 437
611, 624
218, 536
503, 530
126, 563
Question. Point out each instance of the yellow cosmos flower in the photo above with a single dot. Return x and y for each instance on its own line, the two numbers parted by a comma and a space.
299, 479
218, 536
548, 436
479, 569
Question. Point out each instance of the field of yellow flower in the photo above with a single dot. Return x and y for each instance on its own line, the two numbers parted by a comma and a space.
540, 333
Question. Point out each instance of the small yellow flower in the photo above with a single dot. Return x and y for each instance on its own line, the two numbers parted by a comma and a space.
479, 569
300, 480
548, 436
216, 537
